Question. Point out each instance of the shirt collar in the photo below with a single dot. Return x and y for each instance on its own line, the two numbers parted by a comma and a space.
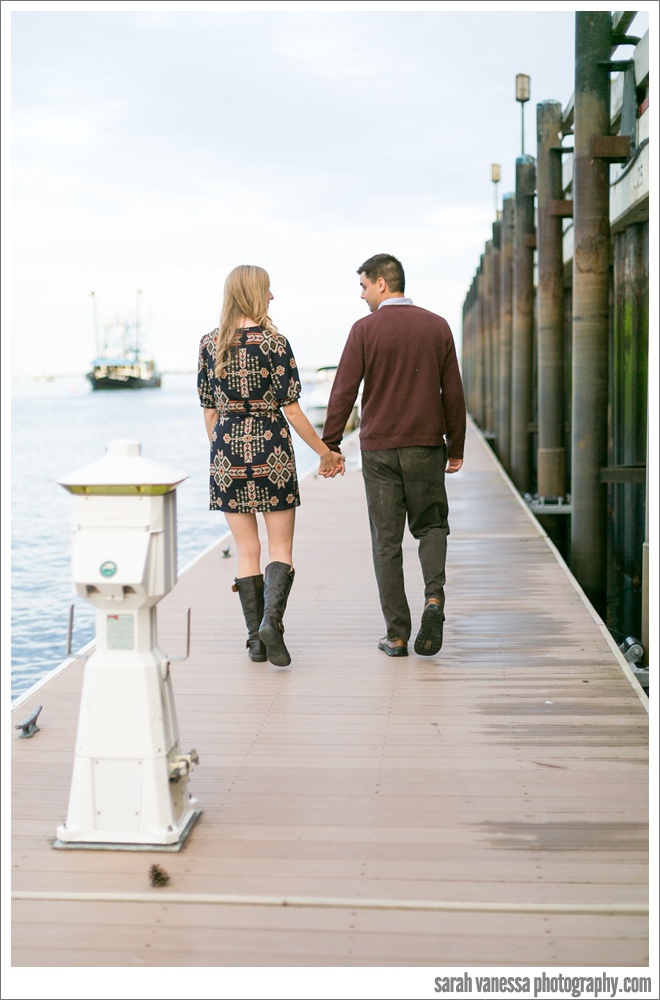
395, 302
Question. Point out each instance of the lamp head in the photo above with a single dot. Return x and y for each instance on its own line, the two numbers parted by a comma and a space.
522, 87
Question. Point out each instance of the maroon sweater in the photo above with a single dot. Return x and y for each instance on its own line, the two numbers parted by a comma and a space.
412, 394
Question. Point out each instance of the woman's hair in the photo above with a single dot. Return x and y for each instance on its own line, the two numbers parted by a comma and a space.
246, 294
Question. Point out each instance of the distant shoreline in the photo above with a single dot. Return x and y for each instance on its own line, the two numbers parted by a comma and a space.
53, 378
49, 377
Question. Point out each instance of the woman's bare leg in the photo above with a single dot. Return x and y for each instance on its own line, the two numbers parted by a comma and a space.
245, 531
280, 525
278, 577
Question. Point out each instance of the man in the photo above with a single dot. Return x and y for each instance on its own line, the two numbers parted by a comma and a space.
412, 431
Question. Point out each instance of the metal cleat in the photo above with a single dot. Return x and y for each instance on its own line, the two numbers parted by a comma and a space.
29, 726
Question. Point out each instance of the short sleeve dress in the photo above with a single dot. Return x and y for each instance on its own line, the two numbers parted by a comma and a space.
253, 466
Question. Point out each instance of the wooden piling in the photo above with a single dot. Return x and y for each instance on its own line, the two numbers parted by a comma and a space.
522, 368
591, 302
551, 452
506, 329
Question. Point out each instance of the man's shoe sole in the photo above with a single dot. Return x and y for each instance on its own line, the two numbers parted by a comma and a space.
393, 650
429, 637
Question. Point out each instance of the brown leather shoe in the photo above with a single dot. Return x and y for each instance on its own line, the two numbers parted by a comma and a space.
429, 637
393, 647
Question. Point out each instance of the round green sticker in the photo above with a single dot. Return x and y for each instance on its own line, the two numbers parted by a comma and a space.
108, 568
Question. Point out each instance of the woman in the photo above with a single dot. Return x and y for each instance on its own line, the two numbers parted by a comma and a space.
249, 387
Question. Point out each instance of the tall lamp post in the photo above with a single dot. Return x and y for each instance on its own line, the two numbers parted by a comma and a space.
522, 95
495, 178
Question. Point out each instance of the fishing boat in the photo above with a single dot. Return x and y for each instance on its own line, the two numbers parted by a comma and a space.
120, 362
128, 371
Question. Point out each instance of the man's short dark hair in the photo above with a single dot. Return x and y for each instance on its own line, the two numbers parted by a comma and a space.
384, 265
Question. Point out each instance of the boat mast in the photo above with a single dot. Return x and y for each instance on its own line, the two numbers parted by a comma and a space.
96, 325
137, 325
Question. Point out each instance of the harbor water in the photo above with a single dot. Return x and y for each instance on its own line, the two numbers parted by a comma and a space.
58, 427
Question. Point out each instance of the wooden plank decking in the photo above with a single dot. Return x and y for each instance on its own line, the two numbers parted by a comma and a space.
485, 807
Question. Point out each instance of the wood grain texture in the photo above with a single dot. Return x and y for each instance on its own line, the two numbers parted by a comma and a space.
510, 770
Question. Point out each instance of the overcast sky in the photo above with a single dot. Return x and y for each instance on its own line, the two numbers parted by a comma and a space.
156, 146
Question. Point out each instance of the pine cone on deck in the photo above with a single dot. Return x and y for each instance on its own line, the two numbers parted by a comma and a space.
158, 876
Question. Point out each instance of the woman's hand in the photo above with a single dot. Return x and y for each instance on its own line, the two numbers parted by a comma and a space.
211, 418
332, 463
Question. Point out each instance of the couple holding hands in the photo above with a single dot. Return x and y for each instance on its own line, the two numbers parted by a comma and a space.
412, 432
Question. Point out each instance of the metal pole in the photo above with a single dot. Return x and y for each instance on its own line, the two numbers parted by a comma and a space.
591, 289
495, 177
506, 328
138, 324
97, 339
523, 324
551, 452
523, 92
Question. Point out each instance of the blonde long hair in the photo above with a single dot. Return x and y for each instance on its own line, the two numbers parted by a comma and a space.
246, 294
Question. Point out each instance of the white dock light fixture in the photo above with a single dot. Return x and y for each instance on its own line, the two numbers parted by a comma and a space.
130, 781
523, 94
495, 178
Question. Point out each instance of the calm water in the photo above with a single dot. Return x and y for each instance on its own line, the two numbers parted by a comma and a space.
57, 428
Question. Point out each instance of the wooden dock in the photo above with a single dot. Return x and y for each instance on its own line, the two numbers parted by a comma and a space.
487, 807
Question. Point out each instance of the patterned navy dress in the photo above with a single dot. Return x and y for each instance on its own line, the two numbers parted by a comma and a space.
253, 467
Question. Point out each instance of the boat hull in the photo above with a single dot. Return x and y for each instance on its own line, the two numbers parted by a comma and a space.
123, 382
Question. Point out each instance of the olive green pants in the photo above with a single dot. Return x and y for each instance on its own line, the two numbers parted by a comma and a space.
407, 483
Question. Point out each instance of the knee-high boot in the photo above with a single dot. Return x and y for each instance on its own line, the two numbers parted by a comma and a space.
278, 579
250, 589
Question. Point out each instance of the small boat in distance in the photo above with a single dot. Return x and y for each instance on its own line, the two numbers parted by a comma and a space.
316, 403
119, 363
129, 371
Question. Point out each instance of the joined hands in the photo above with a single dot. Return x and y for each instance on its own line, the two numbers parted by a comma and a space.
332, 464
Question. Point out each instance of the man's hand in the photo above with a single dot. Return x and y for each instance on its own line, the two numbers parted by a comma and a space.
453, 464
332, 464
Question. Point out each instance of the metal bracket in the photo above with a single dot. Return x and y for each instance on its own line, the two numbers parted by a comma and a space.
180, 659
620, 39
623, 474
561, 207
69, 639
549, 505
29, 726
614, 148
615, 65
69, 634
83, 656
632, 649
